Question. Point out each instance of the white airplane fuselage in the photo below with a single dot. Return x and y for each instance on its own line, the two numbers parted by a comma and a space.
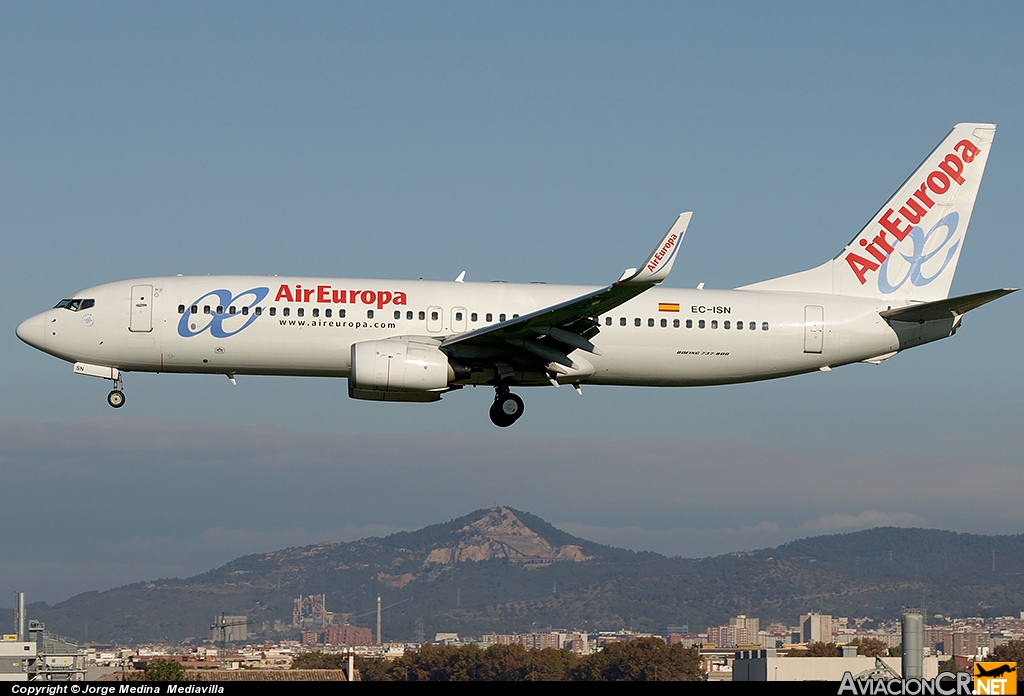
664, 337
886, 291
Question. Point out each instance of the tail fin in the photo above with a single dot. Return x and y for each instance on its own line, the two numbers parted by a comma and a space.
910, 248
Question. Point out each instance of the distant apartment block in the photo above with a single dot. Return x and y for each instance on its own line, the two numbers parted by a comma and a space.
816, 628
347, 635
739, 631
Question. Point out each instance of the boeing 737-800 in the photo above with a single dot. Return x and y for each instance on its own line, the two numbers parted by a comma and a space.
886, 291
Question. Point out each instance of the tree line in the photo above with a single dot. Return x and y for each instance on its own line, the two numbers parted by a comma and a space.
644, 659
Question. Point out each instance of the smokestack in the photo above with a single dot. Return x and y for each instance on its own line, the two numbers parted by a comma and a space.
19, 617
378, 619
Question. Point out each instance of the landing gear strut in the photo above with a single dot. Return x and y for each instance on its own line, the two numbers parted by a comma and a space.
116, 397
507, 407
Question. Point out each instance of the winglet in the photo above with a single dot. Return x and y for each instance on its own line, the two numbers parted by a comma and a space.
656, 268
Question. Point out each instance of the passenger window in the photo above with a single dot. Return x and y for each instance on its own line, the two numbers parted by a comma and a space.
515, 316
700, 324
423, 315
195, 309
489, 317
725, 324
259, 311
341, 313
398, 314
764, 326
273, 311
607, 321
664, 323
433, 316
739, 326
501, 317
316, 311
714, 323
231, 310
408, 315
636, 322
181, 309
472, 316
286, 311
675, 323
88, 304
327, 313
220, 309
622, 321
245, 311
369, 314
300, 312
458, 316
650, 322
206, 309
689, 323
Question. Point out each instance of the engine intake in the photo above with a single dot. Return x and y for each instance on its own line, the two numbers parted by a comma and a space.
399, 369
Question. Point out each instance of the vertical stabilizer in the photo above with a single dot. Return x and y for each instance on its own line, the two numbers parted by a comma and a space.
910, 248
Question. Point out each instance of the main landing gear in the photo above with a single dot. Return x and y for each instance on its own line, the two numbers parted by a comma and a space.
507, 407
116, 397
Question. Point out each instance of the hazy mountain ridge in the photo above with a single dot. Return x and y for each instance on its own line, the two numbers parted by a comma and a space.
505, 570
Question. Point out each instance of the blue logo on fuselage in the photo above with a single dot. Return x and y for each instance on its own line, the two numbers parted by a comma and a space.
189, 324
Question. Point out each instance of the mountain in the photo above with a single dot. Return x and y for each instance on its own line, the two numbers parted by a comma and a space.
504, 570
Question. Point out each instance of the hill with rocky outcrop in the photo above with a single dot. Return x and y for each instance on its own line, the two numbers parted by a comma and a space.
504, 570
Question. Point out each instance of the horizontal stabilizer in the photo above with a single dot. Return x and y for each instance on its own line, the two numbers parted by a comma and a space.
944, 309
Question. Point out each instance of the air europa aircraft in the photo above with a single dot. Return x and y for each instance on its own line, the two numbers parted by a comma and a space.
886, 291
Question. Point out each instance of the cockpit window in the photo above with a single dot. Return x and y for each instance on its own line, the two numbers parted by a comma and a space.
74, 305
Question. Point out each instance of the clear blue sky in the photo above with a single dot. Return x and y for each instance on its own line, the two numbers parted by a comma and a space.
517, 141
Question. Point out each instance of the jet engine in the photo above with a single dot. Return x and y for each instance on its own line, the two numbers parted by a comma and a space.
400, 369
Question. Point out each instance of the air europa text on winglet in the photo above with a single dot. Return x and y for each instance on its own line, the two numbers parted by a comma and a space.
662, 253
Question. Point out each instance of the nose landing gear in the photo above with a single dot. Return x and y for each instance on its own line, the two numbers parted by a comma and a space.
507, 407
116, 397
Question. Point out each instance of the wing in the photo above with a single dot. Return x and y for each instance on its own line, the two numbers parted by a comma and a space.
541, 341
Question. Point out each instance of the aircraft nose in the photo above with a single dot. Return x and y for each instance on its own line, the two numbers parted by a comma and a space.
33, 331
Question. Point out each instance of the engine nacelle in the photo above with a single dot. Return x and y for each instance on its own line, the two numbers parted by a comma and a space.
399, 369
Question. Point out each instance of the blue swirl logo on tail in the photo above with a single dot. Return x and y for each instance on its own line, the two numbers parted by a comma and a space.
919, 257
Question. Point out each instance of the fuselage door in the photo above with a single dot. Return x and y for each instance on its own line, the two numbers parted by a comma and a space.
814, 328
435, 319
142, 309
458, 319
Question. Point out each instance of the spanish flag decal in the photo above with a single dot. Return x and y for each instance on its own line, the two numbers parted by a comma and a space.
668, 306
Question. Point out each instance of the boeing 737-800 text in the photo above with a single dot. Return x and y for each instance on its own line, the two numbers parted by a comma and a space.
888, 290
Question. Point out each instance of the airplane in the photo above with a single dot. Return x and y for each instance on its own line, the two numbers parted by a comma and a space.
413, 341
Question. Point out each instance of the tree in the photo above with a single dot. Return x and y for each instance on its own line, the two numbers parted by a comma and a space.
644, 659
164, 671
549, 664
951, 665
817, 650
1012, 651
871, 647
320, 660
